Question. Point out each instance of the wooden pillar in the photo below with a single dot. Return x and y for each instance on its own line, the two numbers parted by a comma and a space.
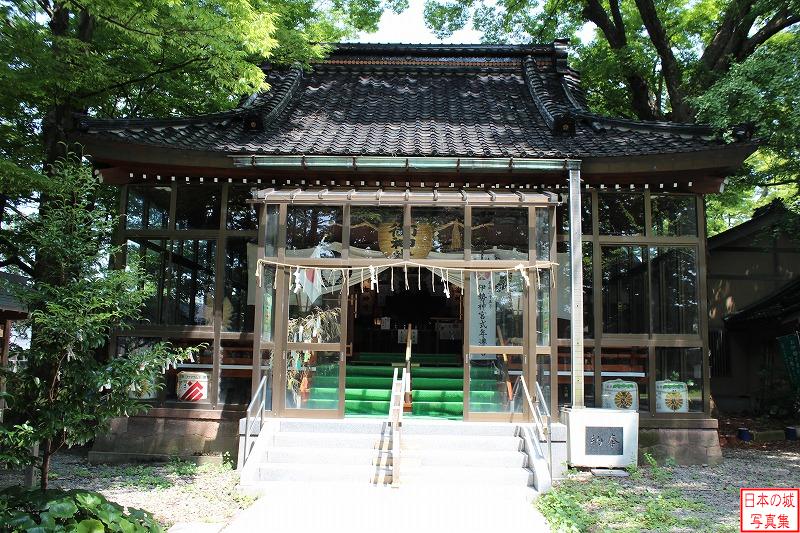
576, 271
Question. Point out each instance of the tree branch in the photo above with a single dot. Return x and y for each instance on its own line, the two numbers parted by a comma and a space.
718, 43
614, 32
780, 21
673, 76
615, 35
616, 14
17, 262
792, 181
146, 77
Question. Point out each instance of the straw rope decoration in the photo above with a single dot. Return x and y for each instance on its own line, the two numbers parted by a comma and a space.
296, 285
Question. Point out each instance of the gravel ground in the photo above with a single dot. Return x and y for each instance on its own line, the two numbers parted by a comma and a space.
182, 492
173, 492
688, 498
744, 466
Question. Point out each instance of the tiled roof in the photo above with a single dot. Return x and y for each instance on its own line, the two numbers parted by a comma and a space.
417, 100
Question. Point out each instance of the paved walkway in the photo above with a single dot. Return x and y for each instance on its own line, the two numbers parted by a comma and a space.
335, 508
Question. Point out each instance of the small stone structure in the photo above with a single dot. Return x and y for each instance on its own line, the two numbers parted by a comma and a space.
694, 446
159, 437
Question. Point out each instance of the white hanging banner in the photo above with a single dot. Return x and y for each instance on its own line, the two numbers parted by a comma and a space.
483, 330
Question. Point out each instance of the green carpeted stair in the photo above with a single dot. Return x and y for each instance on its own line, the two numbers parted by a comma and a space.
437, 390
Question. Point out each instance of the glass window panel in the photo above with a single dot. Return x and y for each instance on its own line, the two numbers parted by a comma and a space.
241, 215
562, 215
197, 206
499, 233
674, 215
542, 234
564, 285
179, 383
491, 383
437, 233
314, 305
621, 213
190, 298
679, 380
496, 314
376, 232
147, 207
238, 307
543, 377
271, 237
313, 231
266, 371
153, 258
674, 290
565, 377
625, 378
624, 289
268, 304
543, 309
236, 372
312, 380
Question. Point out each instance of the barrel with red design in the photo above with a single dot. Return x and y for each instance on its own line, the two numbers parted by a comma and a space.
192, 386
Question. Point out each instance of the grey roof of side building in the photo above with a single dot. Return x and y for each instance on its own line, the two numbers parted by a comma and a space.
8, 303
417, 100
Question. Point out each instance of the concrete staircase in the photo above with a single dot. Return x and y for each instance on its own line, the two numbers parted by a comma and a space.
433, 453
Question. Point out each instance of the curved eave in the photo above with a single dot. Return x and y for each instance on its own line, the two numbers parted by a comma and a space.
709, 164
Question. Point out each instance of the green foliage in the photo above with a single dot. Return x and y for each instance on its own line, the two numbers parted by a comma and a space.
70, 389
78, 511
119, 58
656, 472
763, 90
732, 62
601, 504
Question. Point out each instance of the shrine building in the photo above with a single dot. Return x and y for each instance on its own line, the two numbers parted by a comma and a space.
454, 210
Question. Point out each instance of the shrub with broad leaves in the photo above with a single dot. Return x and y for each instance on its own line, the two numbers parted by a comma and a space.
77, 511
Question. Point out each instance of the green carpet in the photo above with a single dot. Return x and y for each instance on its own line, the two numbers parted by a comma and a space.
438, 409
455, 396
437, 391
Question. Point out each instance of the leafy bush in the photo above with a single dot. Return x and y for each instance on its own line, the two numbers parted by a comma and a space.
78, 511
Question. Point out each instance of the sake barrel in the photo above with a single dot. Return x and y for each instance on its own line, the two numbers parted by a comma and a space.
620, 394
672, 397
192, 386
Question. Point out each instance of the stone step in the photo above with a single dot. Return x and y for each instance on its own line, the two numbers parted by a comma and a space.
446, 427
463, 458
410, 475
296, 439
311, 472
476, 476
328, 456
460, 442
332, 426
410, 458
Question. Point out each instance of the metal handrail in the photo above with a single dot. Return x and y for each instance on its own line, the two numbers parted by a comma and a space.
396, 405
248, 425
541, 418
541, 403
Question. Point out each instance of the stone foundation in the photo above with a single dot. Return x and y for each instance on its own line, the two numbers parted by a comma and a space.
163, 434
694, 446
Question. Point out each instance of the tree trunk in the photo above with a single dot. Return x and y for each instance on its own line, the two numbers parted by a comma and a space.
613, 29
670, 69
45, 468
